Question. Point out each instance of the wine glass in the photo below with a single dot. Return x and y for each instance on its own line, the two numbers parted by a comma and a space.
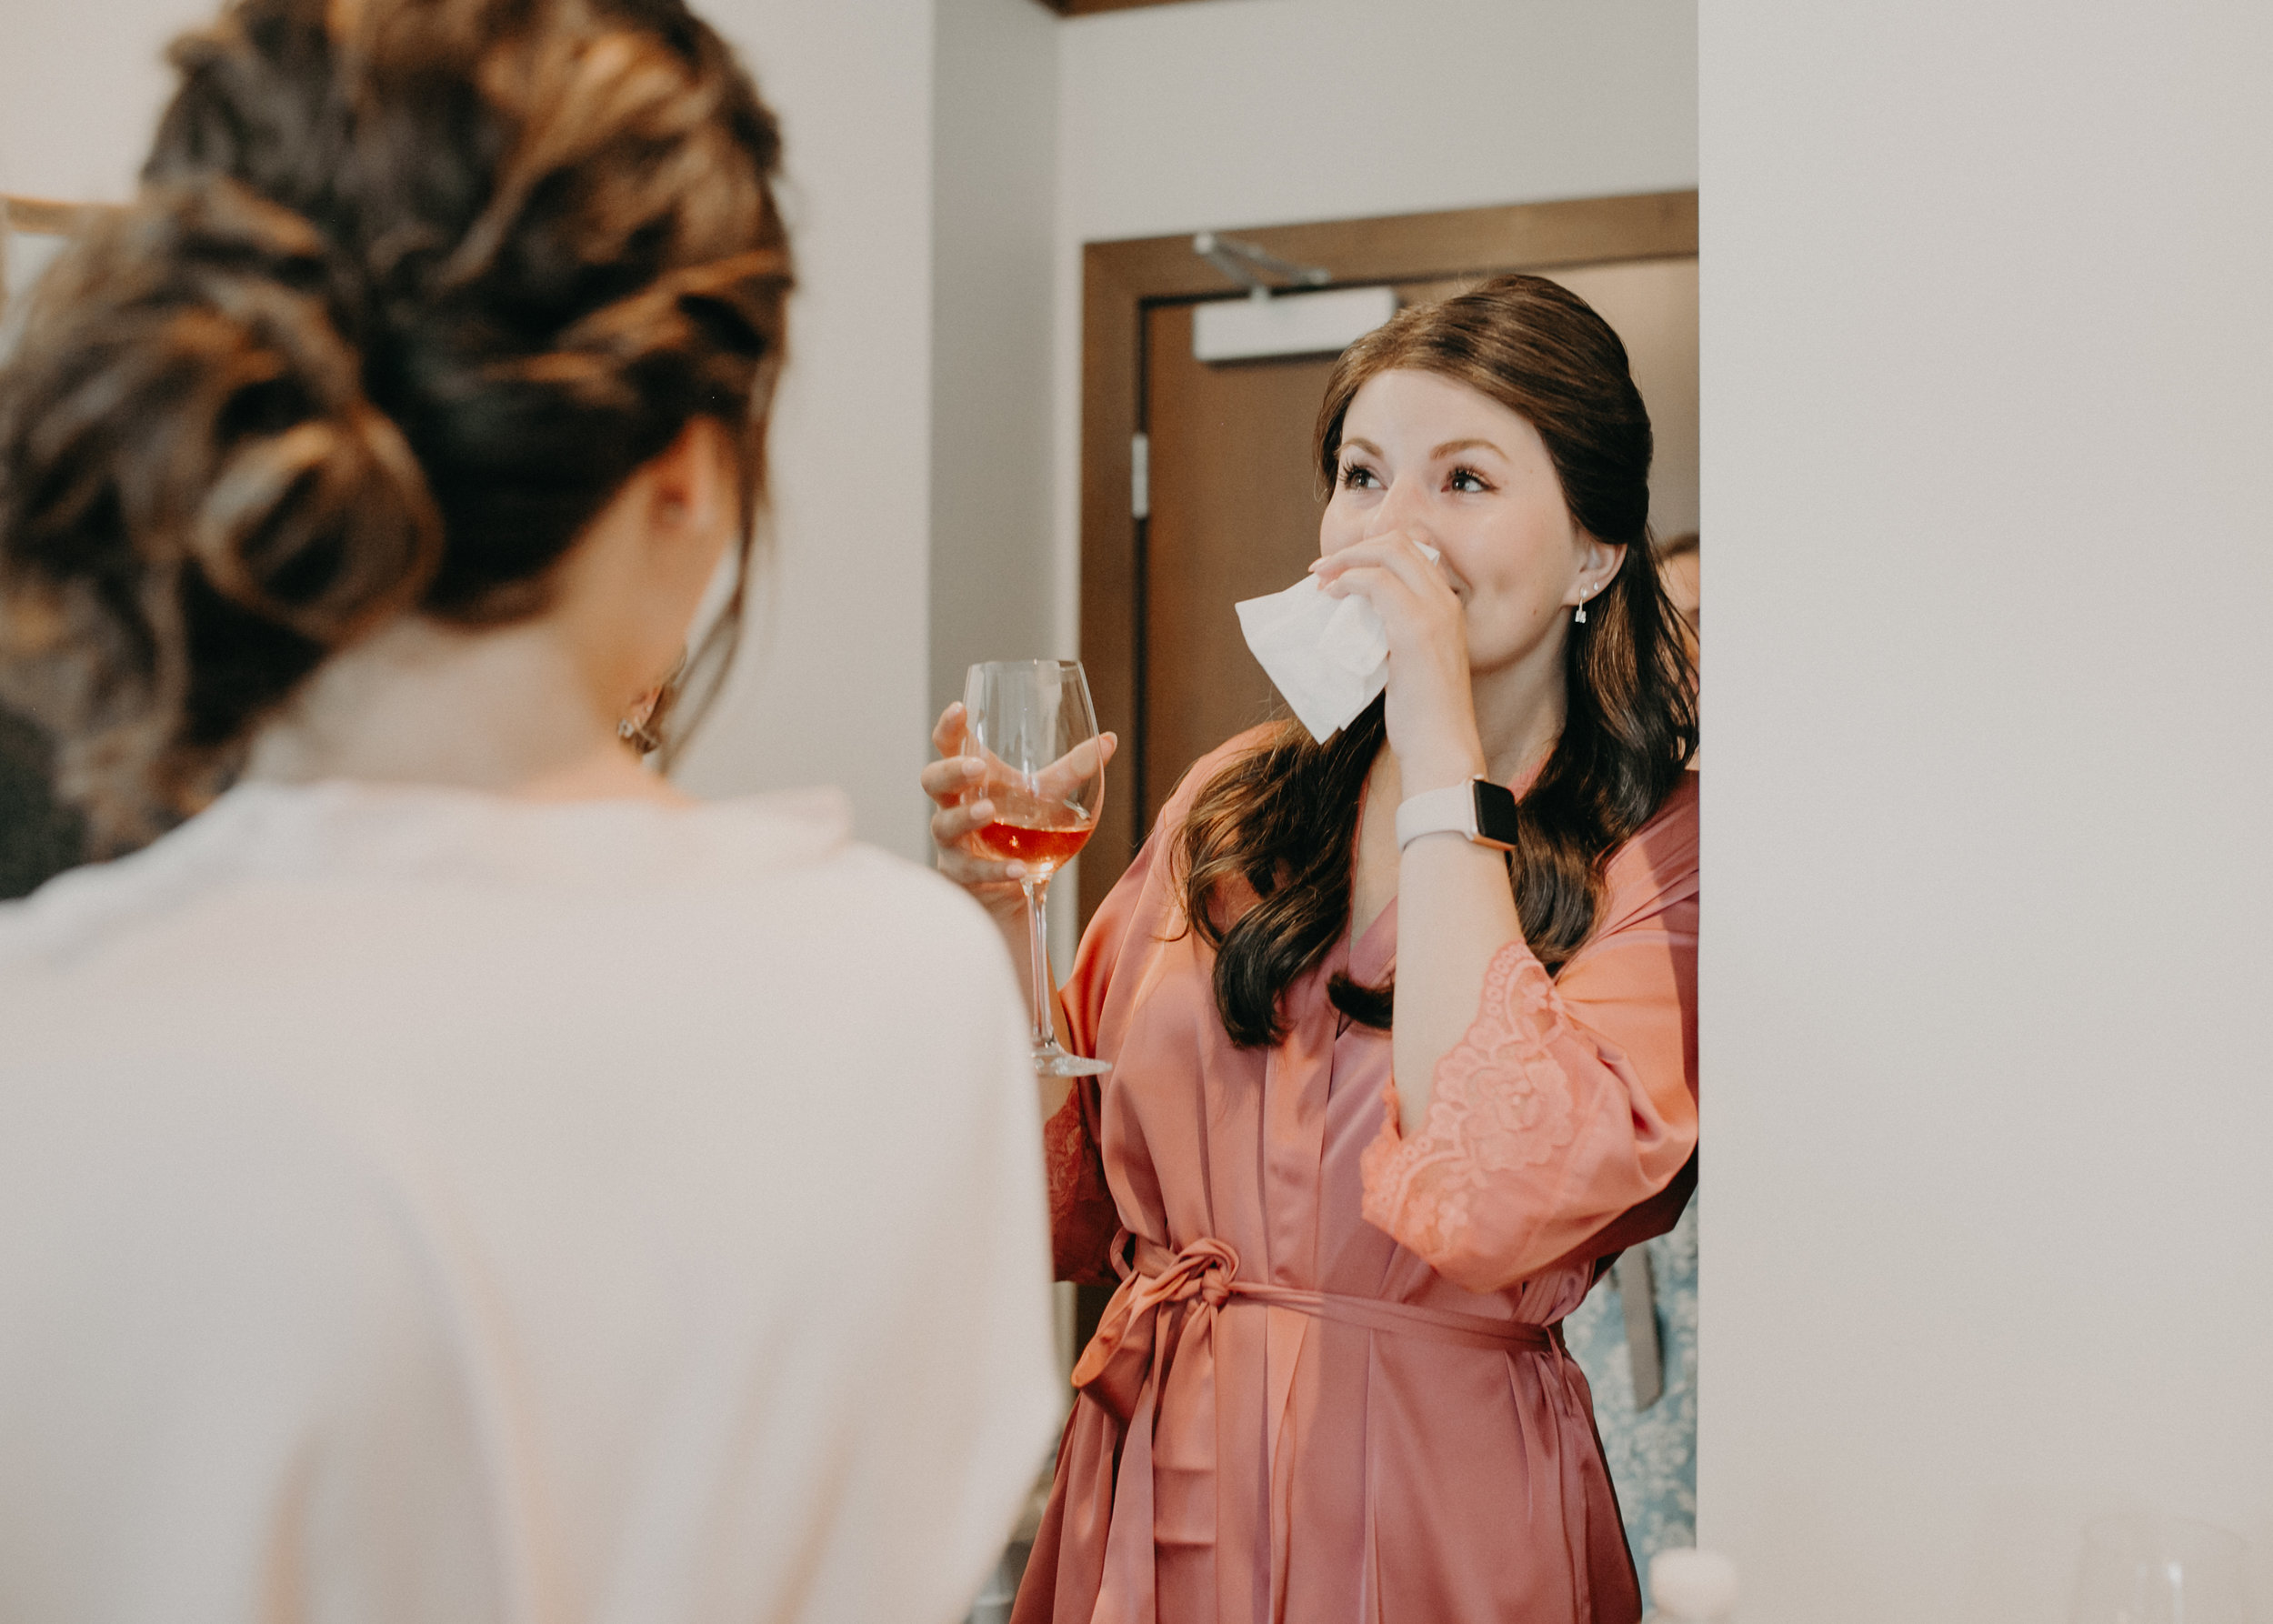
2160, 1570
1030, 726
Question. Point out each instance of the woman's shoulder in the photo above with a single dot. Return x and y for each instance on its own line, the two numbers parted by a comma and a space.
769, 906
1657, 864
769, 862
907, 903
1146, 901
1204, 772
1673, 827
789, 867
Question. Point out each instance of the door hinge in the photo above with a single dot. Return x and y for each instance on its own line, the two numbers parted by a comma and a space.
1140, 477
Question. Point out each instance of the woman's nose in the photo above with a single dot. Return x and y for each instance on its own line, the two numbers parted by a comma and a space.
1404, 506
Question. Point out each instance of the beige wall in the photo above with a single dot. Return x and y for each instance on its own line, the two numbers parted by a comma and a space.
1988, 1227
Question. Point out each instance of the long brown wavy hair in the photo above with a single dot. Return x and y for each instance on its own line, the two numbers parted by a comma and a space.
1267, 849
411, 288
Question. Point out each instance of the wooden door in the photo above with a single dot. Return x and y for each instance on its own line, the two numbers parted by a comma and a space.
1230, 503
1234, 514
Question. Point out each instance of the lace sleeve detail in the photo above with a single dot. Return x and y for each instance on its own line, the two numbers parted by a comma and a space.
1083, 1218
1535, 1135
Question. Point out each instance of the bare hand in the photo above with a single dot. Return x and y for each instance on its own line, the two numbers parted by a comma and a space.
1431, 707
958, 785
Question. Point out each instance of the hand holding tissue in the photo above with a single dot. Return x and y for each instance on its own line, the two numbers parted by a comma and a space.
1327, 656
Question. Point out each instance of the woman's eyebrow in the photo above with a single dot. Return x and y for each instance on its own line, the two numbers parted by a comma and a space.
1449, 446
1361, 445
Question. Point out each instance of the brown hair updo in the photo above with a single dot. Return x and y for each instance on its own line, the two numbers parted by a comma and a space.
410, 289
1281, 821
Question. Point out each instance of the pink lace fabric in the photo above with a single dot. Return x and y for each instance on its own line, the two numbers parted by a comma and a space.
1503, 1105
1083, 1219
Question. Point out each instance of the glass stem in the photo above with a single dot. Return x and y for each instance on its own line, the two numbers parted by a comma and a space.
1039, 934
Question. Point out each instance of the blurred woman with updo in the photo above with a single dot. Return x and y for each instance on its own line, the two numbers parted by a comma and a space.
447, 1173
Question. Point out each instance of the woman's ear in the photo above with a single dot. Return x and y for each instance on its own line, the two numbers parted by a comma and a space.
634, 580
1598, 562
690, 494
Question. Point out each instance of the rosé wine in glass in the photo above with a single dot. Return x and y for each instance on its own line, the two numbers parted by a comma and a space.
1030, 726
1044, 837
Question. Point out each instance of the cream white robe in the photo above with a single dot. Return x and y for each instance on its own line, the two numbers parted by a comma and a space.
419, 1206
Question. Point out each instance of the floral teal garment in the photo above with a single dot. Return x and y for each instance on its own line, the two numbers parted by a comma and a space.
1652, 1452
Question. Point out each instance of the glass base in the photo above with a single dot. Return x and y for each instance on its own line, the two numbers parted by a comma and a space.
1049, 1060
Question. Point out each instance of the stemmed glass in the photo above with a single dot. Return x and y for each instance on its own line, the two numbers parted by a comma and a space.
1030, 726
2140, 1569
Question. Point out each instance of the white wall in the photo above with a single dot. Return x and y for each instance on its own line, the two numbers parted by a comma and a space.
994, 203
80, 90
1988, 1227
833, 684
1264, 112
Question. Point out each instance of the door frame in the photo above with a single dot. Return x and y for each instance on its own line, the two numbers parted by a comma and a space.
1119, 280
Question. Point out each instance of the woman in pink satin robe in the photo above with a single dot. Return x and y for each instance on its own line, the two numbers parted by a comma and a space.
1331, 1385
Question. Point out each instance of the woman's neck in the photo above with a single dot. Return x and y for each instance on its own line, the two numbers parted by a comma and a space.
507, 710
1518, 714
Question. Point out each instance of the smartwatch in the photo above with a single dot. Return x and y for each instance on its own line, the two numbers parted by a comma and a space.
1483, 811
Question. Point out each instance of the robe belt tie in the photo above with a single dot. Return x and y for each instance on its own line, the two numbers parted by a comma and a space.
1127, 1363
1113, 1368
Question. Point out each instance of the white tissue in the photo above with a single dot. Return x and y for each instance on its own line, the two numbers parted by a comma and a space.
1329, 657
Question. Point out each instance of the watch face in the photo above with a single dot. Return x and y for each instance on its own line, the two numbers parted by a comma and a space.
1497, 820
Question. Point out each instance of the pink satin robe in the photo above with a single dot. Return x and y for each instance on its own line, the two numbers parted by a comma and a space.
1330, 1389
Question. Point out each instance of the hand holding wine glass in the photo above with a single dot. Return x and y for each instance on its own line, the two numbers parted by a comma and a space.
1017, 799
955, 783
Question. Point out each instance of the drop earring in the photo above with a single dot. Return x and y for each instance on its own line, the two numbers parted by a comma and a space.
1579, 614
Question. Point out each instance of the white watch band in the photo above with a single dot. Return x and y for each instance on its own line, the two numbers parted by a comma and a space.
1447, 811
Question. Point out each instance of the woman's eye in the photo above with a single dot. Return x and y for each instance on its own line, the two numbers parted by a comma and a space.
1469, 480
1357, 477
